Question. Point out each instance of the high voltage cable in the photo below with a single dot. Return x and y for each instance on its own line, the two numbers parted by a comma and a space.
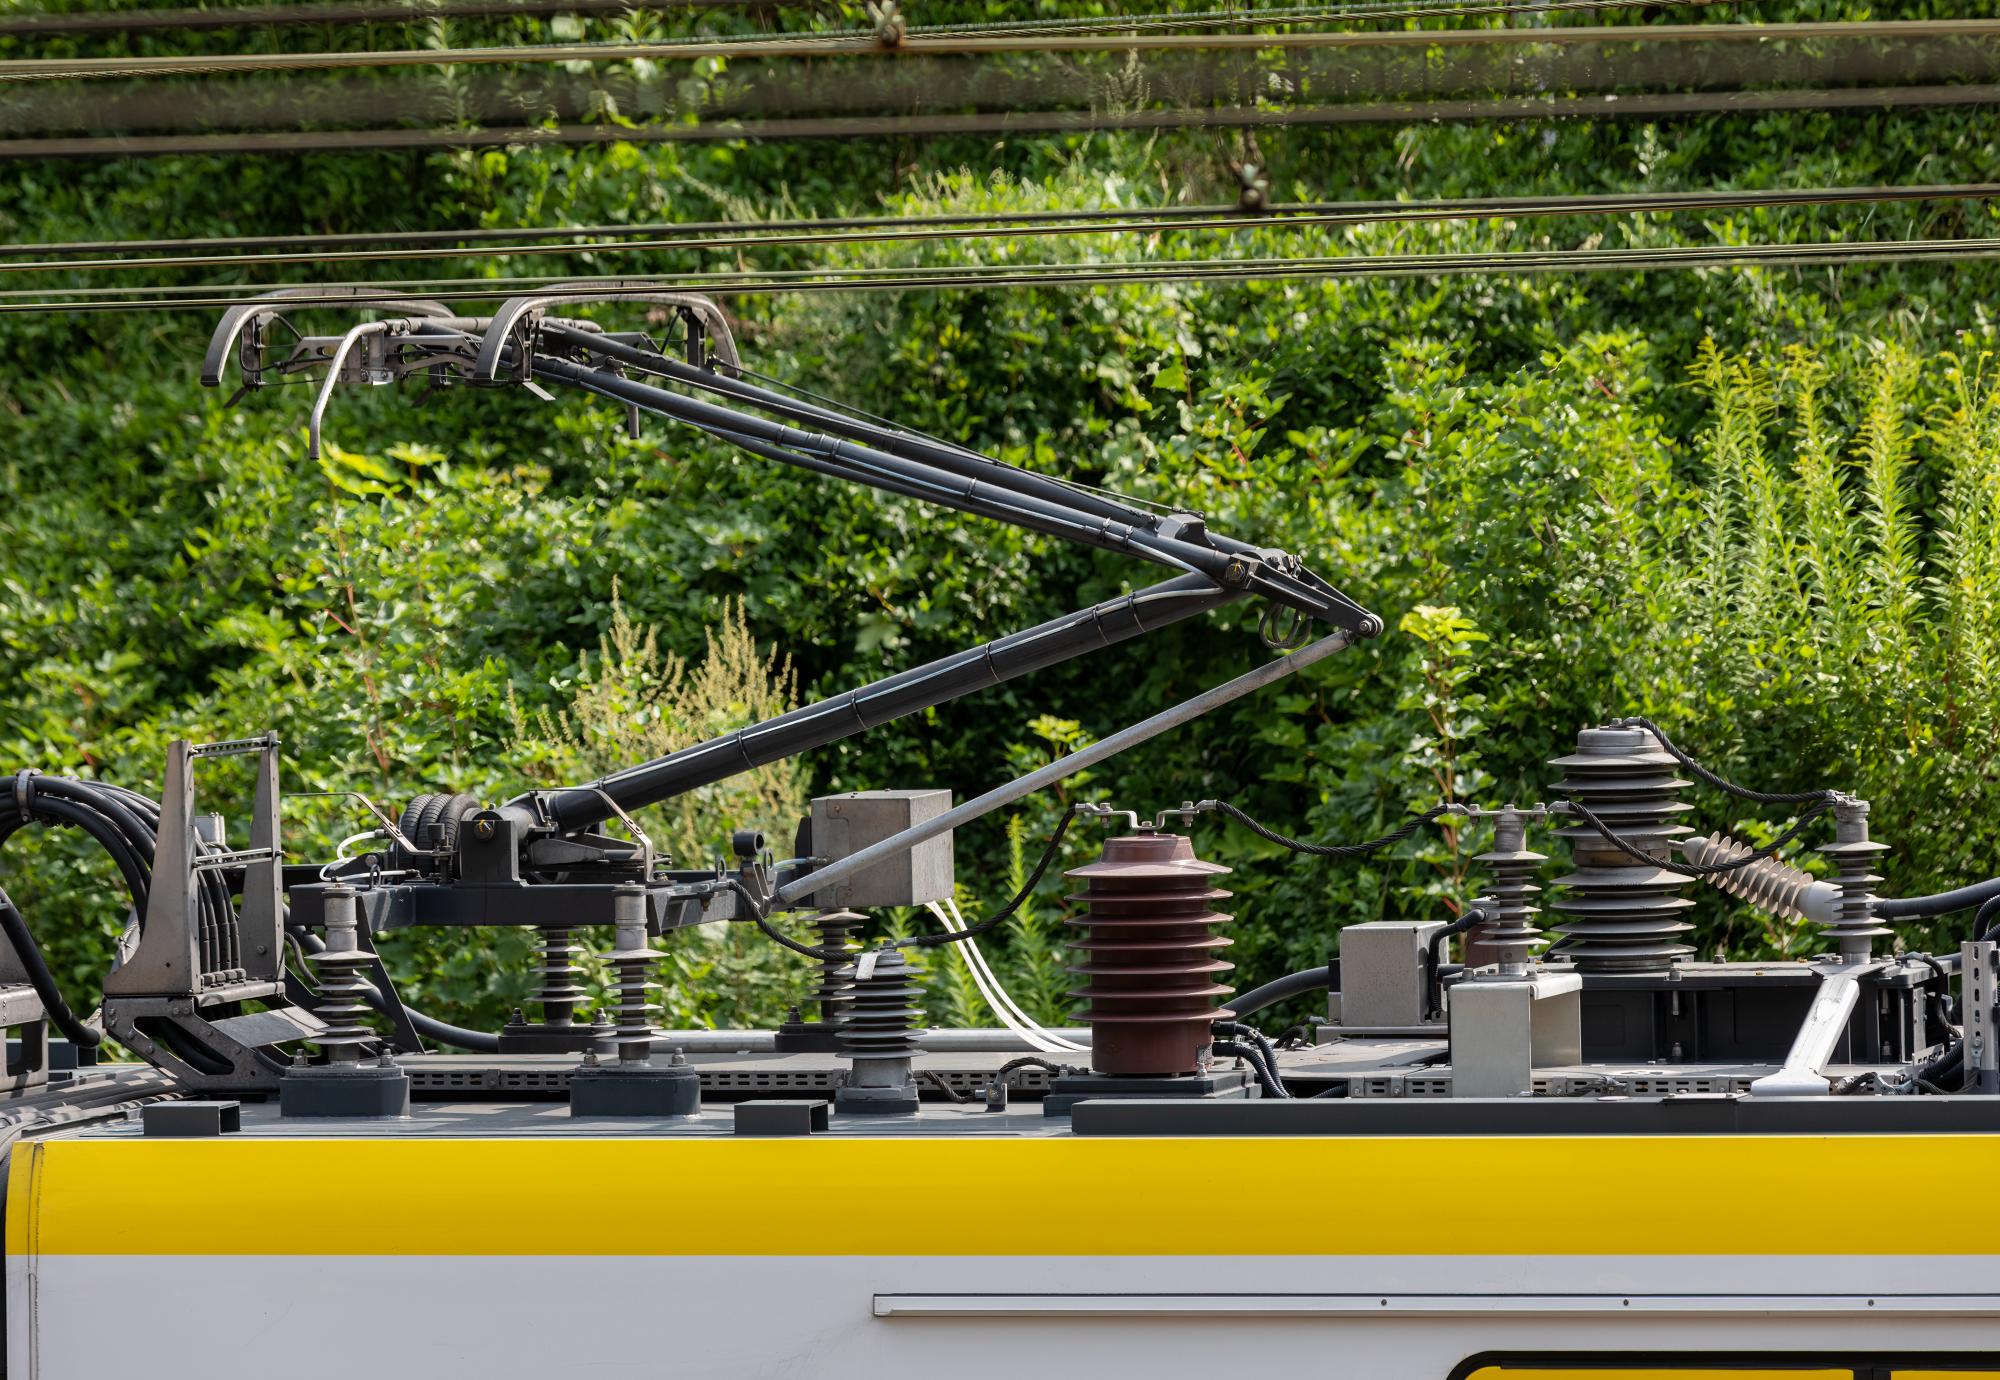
63, 69
1634, 105
712, 236
972, 277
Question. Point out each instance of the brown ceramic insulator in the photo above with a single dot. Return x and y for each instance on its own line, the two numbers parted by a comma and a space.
1148, 955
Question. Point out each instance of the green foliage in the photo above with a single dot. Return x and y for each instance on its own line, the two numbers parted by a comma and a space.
1788, 555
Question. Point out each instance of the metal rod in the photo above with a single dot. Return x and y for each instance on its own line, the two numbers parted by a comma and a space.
983, 497
940, 681
980, 806
970, 464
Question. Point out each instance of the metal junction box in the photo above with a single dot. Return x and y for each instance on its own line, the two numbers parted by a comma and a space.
845, 824
1382, 975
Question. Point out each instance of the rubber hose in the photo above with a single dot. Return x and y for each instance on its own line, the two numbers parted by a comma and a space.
1986, 924
1291, 985
444, 1032
42, 980
1943, 903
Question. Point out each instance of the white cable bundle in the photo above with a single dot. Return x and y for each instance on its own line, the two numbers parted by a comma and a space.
1038, 1037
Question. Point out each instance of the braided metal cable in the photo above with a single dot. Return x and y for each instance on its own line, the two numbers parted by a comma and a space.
1719, 782
1688, 869
1334, 850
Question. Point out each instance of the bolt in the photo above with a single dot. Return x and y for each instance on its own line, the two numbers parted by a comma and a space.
482, 828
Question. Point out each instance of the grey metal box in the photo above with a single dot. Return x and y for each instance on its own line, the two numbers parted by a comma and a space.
1382, 974
846, 824
191, 1118
780, 1117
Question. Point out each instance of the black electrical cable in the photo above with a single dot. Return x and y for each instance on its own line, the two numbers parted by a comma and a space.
42, 980
1717, 781
1941, 903
1434, 964
937, 939
1030, 1061
1283, 989
1333, 850
936, 1080
1688, 869
1267, 1055
444, 1032
1266, 1079
758, 906
1986, 924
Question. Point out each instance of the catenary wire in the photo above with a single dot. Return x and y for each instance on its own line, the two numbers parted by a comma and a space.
1677, 257
80, 69
712, 236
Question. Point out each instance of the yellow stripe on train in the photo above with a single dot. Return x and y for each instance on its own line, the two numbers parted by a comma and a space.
1367, 1196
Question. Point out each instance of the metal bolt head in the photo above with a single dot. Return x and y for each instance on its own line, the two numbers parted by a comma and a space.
482, 828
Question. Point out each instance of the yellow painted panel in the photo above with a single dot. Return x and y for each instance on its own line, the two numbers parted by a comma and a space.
1720, 1373
1079, 1196
1946, 1374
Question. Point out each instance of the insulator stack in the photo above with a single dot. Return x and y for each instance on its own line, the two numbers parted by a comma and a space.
1622, 915
562, 990
836, 936
1853, 928
883, 1009
342, 990
1148, 955
1509, 939
633, 1085
1771, 885
635, 1009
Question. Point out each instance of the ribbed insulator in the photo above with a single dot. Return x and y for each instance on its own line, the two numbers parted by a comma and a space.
1149, 955
343, 1004
1509, 939
836, 932
562, 990
1772, 886
634, 1009
1622, 916
883, 1011
1854, 928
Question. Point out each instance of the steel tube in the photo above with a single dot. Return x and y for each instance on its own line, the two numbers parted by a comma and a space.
922, 449
863, 464
793, 892
829, 721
